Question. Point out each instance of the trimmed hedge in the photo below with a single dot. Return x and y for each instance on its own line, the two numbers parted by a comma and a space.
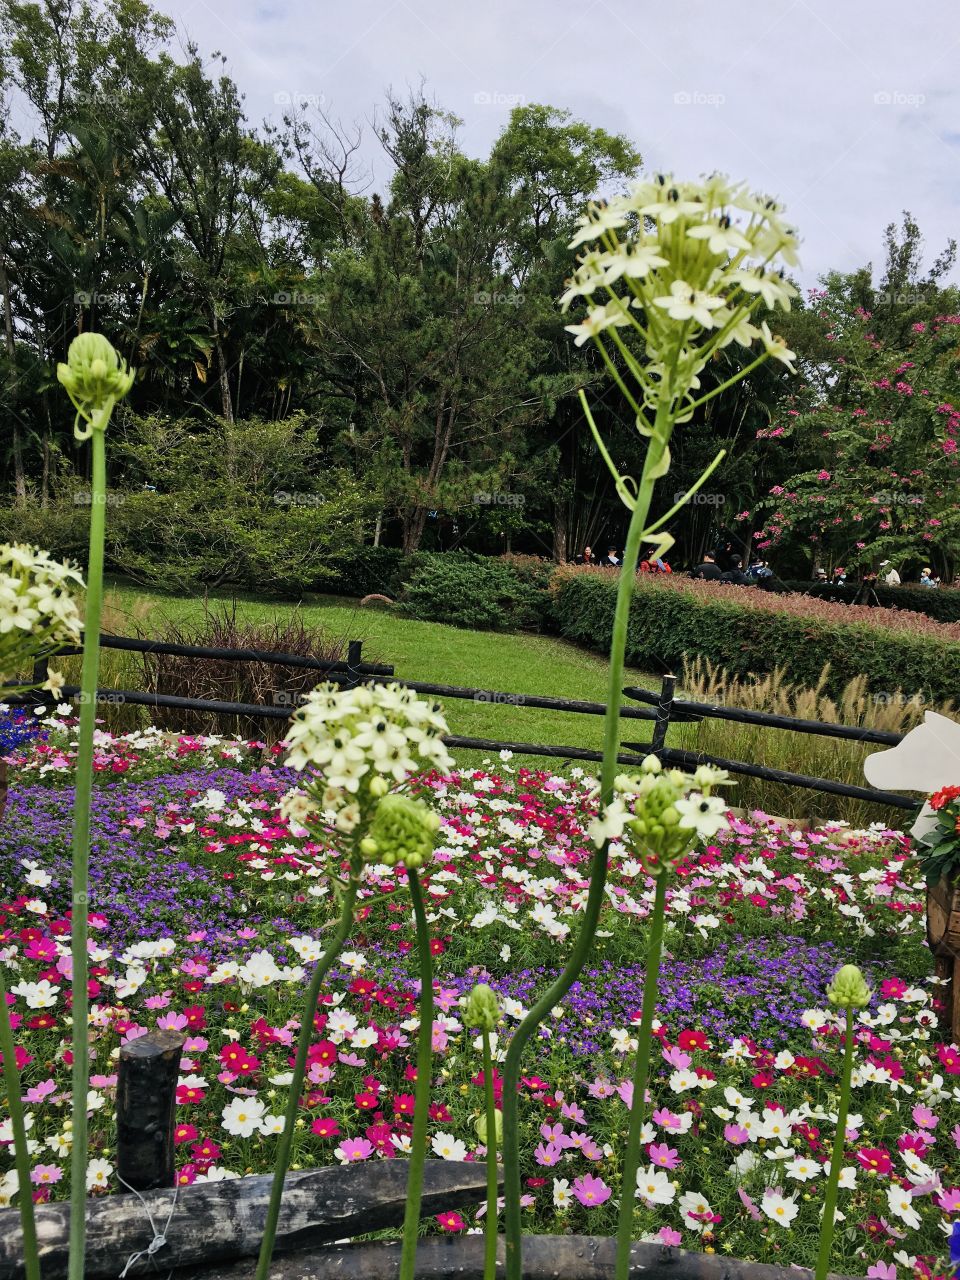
482, 593
942, 603
753, 632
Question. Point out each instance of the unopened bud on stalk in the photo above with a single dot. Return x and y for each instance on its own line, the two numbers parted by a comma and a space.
483, 1008
404, 831
94, 378
848, 990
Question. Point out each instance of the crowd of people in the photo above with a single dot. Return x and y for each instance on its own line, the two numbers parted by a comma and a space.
725, 564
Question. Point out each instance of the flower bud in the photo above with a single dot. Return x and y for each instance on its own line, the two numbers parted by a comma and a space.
404, 830
483, 1008
378, 786
94, 378
481, 1127
848, 990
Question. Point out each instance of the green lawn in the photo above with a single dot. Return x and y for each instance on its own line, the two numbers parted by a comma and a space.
516, 663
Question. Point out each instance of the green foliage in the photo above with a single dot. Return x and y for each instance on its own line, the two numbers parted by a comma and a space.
942, 604
750, 632
467, 591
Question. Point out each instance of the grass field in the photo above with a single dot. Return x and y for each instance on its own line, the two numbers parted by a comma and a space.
516, 663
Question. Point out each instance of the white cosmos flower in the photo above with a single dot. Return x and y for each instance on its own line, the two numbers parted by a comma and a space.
447, 1147
779, 1208
900, 1203
654, 1186
242, 1116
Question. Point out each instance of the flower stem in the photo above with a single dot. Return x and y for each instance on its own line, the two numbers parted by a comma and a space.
641, 1072
81, 858
836, 1158
490, 1226
598, 875
299, 1071
418, 1143
11, 1078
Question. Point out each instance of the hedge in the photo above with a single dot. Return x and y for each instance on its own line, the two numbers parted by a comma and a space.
942, 603
753, 632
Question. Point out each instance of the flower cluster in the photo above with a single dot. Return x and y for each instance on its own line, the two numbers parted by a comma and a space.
361, 742
38, 609
686, 265
17, 728
937, 836
660, 813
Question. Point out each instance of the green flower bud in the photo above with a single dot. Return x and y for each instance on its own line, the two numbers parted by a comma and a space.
378, 786
848, 990
94, 378
368, 847
483, 1008
404, 830
651, 764
481, 1127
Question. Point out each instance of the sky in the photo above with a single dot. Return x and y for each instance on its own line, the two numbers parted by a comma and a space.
847, 110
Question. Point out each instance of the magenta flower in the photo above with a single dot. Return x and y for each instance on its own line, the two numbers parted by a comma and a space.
736, 1134
351, 1149
949, 1200
923, 1117
590, 1191
662, 1155
670, 1236
548, 1154
882, 1271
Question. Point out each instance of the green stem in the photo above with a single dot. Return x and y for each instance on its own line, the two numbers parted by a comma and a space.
490, 1226
81, 858
299, 1071
598, 875
836, 1159
641, 1073
11, 1078
418, 1143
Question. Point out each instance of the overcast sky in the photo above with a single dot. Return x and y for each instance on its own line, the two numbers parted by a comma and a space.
848, 110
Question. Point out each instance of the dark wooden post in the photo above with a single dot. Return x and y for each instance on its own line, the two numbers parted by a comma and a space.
664, 707
41, 673
146, 1097
943, 934
354, 659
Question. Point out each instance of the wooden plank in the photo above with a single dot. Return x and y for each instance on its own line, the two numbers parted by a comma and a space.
544, 1258
222, 1221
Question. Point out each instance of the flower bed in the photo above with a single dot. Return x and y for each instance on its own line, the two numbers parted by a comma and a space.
207, 910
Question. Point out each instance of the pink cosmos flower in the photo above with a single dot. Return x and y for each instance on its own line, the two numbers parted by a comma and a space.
924, 1117
451, 1221
590, 1191
670, 1236
666, 1120
664, 1156
736, 1134
352, 1149
572, 1112
882, 1271
42, 1175
949, 1200
548, 1154
40, 1091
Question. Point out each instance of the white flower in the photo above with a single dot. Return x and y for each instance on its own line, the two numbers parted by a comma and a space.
700, 813
779, 1208
654, 1186
694, 1208
683, 302
900, 1203
562, 1195
612, 314
447, 1147
611, 825
242, 1116
98, 1174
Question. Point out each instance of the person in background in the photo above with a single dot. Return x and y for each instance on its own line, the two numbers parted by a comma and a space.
610, 561
891, 577
839, 576
759, 570
724, 556
927, 579
707, 569
655, 566
735, 575
820, 575
585, 557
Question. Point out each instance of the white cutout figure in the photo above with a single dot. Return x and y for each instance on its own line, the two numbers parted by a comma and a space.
927, 759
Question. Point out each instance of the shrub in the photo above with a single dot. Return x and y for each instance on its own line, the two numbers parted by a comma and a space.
366, 571
942, 604
469, 591
752, 632
246, 680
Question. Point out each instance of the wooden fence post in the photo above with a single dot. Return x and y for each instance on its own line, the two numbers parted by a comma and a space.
664, 707
354, 659
146, 1097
